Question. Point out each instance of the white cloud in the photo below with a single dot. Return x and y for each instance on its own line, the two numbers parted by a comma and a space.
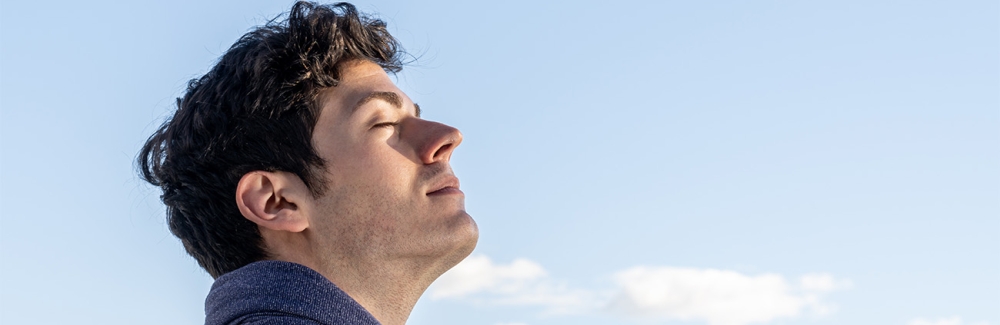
478, 273
522, 282
718, 297
954, 320
822, 283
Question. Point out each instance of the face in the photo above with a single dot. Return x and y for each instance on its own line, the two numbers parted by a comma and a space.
390, 191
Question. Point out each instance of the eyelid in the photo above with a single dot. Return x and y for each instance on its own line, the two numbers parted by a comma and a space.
385, 124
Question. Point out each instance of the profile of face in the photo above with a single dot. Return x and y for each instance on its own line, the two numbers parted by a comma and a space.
390, 191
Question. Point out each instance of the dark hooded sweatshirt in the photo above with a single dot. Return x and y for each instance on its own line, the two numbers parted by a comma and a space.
276, 292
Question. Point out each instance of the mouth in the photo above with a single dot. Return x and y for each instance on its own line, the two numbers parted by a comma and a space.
446, 186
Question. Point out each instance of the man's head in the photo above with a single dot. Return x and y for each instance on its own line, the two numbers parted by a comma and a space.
297, 145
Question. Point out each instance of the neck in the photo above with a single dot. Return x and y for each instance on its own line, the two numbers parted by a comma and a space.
387, 290
387, 295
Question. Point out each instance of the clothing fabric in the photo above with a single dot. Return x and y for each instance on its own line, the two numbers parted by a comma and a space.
277, 292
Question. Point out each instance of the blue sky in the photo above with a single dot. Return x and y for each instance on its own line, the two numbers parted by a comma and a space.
727, 162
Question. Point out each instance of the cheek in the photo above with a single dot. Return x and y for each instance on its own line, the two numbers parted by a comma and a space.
376, 192
373, 186
376, 170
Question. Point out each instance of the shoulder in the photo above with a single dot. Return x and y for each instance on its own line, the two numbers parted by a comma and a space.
275, 292
274, 319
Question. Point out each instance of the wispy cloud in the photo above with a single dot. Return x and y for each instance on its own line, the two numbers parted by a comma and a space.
522, 282
954, 320
716, 297
478, 273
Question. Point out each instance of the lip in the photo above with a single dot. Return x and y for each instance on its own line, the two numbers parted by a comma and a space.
445, 186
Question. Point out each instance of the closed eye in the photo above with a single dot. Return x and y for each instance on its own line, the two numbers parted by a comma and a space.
385, 125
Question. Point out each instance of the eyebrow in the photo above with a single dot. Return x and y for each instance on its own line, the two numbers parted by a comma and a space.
387, 96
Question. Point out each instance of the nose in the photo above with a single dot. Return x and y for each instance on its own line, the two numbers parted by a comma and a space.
438, 142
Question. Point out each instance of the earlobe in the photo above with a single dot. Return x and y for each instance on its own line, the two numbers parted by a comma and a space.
273, 200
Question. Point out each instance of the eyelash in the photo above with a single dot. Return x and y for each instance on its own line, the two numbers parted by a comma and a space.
385, 124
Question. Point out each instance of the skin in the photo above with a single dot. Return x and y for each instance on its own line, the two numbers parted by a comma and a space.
391, 218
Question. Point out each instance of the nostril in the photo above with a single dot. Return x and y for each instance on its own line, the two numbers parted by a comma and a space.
442, 149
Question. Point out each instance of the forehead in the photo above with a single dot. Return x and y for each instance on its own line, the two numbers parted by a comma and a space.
358, 80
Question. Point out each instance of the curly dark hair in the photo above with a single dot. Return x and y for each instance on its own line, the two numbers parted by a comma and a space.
255, 110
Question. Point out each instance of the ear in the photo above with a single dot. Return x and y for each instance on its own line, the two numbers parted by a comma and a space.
273, 200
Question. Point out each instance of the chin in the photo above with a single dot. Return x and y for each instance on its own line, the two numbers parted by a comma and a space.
464, 237
471, 238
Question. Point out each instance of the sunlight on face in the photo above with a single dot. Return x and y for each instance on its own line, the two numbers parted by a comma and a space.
391, 191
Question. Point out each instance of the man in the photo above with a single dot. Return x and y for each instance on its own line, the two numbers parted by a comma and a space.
302, 179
